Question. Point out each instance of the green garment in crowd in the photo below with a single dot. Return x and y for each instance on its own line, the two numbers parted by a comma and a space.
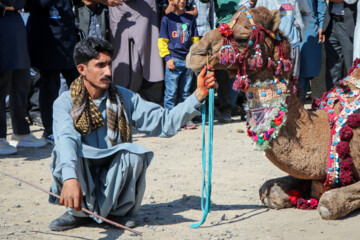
224, 9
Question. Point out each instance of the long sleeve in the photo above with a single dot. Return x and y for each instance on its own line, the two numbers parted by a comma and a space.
157, 121
195, 35
321, 10
164, 40
67, 139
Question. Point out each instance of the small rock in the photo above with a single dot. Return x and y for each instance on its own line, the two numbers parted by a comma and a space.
228, 235
36, 203
159, 229
22, 231
16, 165
27, 221
17, 205
10, 233
18, 184
243, 189
152, 201
224, 217
239, 131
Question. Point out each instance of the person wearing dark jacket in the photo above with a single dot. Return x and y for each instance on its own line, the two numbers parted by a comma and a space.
51, 39
14, 78
92, 19
338, 34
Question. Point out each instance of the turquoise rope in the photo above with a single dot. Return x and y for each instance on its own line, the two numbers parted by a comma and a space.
206, 188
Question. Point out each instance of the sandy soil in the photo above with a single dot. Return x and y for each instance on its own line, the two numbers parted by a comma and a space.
172, 199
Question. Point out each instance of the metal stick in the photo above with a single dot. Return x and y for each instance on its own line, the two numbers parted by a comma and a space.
82, 209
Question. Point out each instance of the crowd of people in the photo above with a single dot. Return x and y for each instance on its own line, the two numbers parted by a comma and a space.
151, 40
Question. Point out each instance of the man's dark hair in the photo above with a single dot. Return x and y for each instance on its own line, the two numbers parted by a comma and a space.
89, 48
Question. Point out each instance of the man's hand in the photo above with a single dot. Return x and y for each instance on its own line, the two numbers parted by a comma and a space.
71, 194
252, 2
204, 82
321, 36
170, 64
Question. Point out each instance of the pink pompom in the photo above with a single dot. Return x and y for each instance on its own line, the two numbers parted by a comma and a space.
343, 149
346, 133
354, 120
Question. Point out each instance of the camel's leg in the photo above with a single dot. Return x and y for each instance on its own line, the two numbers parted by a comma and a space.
274, 193
339, 202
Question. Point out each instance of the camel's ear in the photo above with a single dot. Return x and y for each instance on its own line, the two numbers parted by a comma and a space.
275, 17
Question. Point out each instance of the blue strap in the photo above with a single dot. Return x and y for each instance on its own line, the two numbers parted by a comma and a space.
206, 188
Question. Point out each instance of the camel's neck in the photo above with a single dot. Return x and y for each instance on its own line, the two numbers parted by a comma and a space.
279, 124
301, 147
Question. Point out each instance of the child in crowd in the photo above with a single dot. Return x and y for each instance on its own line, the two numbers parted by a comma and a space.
177, 33
294, 17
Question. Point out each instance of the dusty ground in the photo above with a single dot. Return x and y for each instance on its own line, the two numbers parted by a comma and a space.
172, 199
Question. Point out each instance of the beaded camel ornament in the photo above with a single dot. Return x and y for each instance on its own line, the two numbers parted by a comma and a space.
229, 52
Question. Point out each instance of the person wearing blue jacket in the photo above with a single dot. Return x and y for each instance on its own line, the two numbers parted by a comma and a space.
310, 47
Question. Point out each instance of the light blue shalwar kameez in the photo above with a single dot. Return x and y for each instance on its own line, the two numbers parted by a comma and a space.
112, 178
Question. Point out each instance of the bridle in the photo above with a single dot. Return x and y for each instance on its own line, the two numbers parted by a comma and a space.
230, 54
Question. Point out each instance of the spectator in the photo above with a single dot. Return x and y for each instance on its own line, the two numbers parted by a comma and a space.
14, 78
190, 7
51, 37
92, 19
224, 10
203, 18
177, 32
310, 47
137, 65
338, 34
294, 18
95, 164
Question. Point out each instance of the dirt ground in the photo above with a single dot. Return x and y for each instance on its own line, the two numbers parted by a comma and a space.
172, 198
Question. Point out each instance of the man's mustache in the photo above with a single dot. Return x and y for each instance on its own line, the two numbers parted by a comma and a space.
107, 78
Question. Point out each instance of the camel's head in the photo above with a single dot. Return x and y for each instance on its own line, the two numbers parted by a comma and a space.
210, 49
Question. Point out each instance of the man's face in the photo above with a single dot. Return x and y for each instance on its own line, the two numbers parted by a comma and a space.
97, 72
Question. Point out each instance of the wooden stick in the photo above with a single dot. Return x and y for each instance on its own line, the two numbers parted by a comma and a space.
82, 209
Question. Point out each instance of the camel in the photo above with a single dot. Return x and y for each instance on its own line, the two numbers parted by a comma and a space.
300, 144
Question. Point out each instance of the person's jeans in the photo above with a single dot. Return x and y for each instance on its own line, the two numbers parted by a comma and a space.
177, 81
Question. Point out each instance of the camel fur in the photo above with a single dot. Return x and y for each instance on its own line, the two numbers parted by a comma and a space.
301, 147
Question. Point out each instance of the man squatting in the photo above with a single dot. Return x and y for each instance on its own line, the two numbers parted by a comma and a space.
94, 162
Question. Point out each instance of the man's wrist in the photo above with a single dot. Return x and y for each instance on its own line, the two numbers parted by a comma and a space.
199, 94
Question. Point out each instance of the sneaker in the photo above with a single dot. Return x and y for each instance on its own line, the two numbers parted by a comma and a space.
190, 125
49, 138
68, 221
27, 141
6, 148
